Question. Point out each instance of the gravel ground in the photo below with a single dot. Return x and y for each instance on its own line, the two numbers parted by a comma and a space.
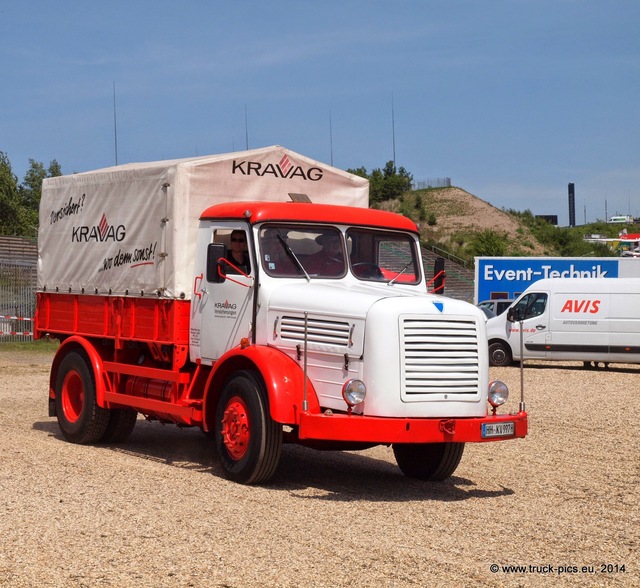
157, 512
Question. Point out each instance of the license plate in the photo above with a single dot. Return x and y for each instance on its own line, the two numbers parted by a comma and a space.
497, 429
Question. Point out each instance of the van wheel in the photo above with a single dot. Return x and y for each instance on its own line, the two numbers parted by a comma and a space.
428, 461
80, 418
247, 439
500, 354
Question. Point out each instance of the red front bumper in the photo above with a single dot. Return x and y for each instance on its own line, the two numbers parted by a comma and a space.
343, 427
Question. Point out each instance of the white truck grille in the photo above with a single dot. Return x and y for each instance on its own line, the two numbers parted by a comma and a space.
439, 356
318, 331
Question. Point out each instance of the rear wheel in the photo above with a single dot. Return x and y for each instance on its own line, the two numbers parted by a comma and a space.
247, 439
500, 354
80, 418
121, 424
428, 461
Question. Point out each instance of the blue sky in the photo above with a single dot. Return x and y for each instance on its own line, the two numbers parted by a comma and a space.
512, 99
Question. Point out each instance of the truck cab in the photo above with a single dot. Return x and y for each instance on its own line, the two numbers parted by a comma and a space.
339, 296
323, 255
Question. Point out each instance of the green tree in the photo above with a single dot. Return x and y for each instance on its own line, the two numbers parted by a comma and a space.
387, 183
488, 243
30, 190
359, 171
19, 204
9, 197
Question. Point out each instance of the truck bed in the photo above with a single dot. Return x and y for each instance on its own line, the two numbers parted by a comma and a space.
152, 320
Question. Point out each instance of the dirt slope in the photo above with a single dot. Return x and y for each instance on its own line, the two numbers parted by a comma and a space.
460, 214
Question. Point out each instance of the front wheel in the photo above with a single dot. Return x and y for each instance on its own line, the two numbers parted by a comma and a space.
500, 354
247, 439
80, 418
428, 461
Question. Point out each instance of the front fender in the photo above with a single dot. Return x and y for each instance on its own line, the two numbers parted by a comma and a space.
282, 376
76, 343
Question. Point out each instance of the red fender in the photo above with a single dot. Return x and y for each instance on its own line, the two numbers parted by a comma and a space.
283, 378
70, 344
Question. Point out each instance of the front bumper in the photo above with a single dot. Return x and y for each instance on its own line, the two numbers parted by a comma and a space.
345, 427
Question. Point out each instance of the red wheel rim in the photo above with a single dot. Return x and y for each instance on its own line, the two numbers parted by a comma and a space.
235, 428
72, 396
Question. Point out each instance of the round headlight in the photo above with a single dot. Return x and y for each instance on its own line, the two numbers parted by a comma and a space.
354, 392
498, 393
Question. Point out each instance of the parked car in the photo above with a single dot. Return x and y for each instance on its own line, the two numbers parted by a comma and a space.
487, 312
496, 306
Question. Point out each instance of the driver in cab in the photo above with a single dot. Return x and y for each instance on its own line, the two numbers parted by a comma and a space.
329, 261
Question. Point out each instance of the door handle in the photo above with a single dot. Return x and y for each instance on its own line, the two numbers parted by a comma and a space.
540, 327
197, 282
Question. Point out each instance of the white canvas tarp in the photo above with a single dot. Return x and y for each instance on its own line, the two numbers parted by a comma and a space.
132, 228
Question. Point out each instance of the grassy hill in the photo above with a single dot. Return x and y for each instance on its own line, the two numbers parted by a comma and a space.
466, 226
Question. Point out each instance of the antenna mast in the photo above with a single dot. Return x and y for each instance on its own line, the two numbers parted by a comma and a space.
246, 128
331, 137
115, 123
393, 130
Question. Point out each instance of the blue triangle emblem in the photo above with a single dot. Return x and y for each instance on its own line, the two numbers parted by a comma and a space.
439, 306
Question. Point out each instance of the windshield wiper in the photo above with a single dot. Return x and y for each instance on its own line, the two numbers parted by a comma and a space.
404, 269
292, 255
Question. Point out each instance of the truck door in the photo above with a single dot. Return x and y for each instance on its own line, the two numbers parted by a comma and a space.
532, 310
222, 301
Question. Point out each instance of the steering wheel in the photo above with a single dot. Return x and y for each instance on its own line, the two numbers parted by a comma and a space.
366, 269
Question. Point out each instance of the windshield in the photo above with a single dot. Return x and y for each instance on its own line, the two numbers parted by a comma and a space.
306, 252
383, 256
326, 252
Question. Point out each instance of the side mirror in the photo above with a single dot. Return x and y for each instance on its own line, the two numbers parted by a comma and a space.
439, 276
215, 269
516, 314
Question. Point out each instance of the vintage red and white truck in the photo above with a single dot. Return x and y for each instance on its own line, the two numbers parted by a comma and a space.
340, 348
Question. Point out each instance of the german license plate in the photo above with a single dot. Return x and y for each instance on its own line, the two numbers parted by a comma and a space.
498, 429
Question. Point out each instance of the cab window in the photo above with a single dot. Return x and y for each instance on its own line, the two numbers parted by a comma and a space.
383, 256
299, 251
530, 306
236, 257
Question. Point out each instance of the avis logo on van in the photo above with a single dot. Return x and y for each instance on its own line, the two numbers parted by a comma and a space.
583, 306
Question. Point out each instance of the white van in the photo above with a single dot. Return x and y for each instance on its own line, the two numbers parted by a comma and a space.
589, 320
626, 218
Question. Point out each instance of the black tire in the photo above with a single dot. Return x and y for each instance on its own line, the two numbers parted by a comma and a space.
248, 440
500, 354
428, 461
80, 418
122, 421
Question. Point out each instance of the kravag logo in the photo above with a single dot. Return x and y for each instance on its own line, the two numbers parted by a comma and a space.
283, 169
226, 305
99, 233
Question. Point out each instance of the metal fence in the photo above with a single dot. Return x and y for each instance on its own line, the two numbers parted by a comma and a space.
433, 183
18, 282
